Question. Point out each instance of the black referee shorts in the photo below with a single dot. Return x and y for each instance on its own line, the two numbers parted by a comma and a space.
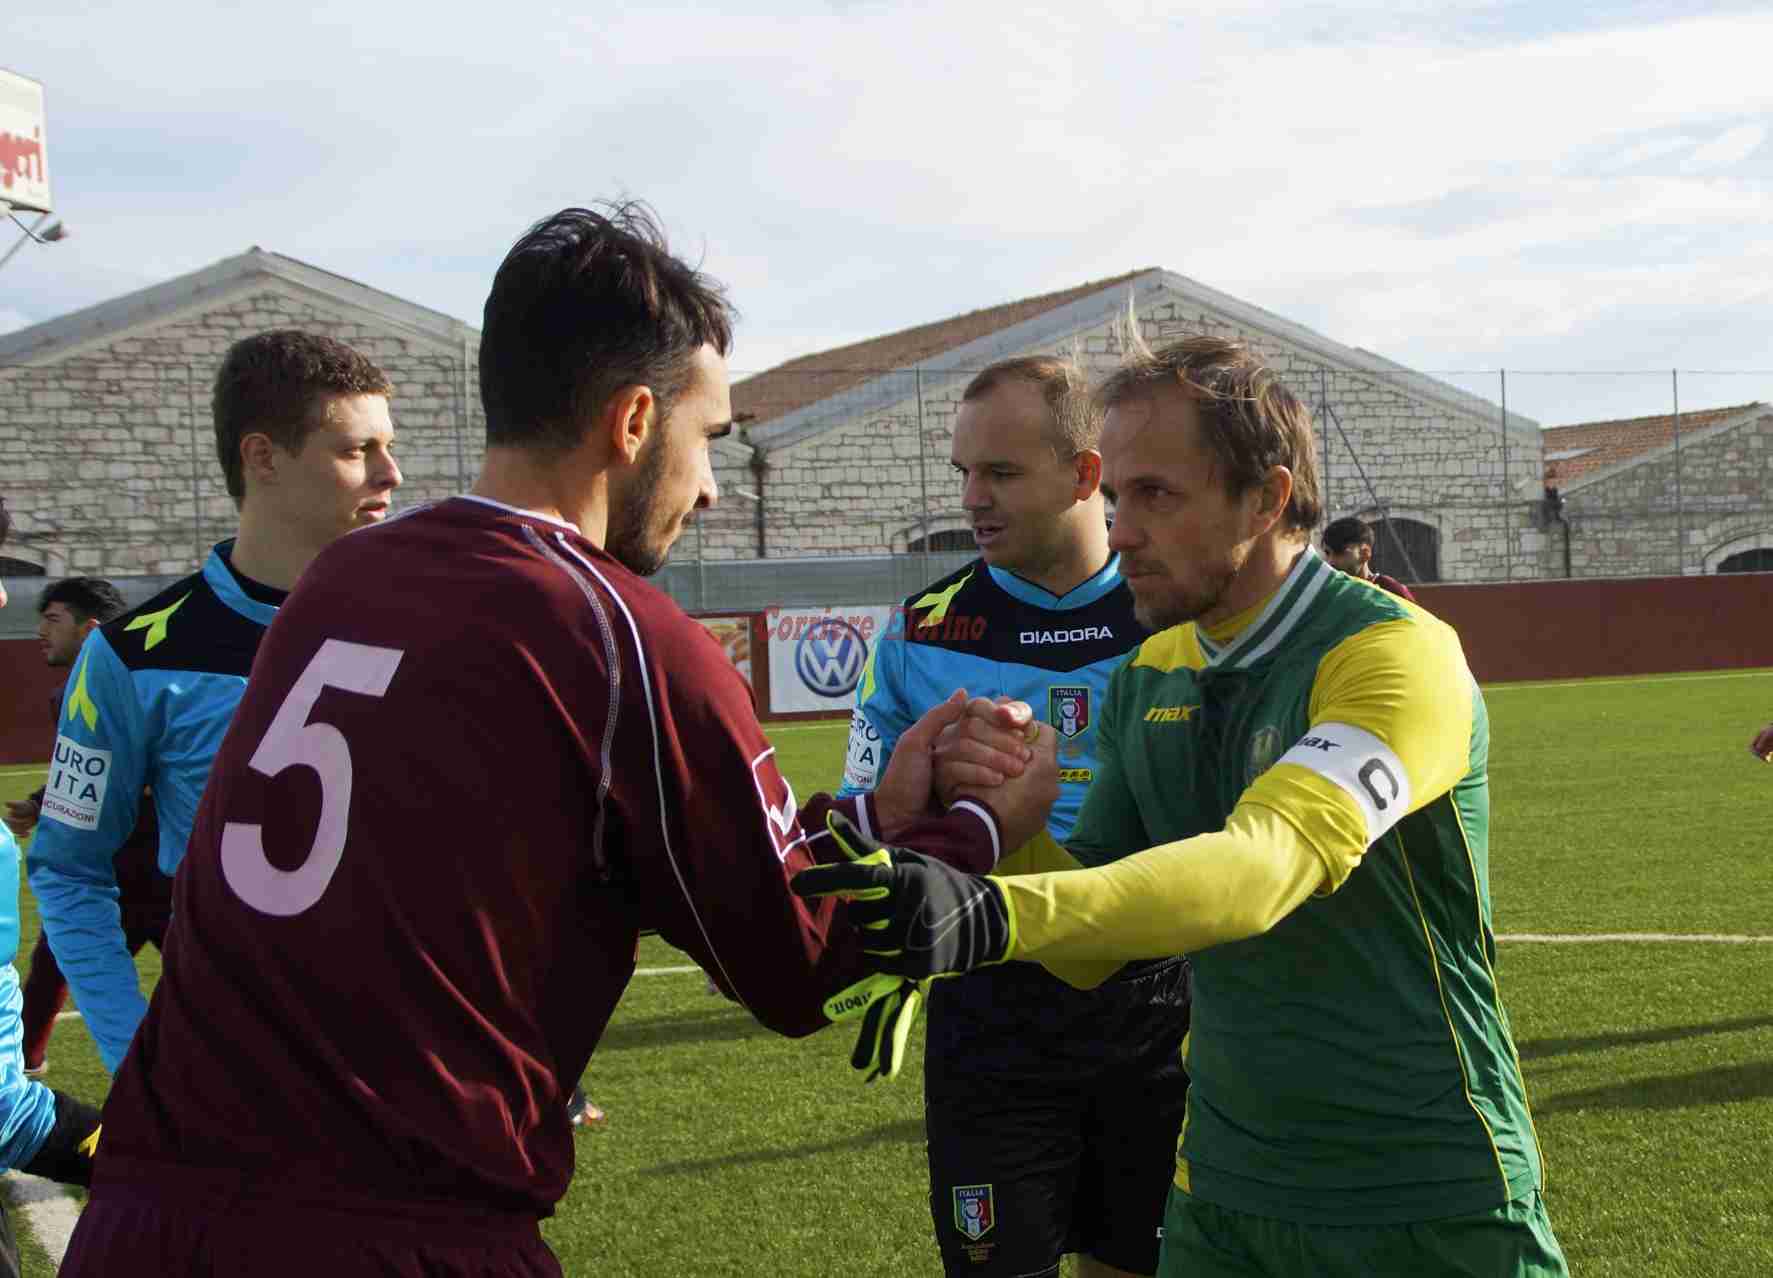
1052, 1116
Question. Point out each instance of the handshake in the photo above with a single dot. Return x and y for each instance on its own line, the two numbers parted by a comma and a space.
920, 918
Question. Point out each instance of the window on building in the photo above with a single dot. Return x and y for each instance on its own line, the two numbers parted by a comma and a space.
948, 539
1421, 541
1748, 561
19, 568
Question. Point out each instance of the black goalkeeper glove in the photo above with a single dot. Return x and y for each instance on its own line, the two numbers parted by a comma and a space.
72, 1145
919, 918
888, 1008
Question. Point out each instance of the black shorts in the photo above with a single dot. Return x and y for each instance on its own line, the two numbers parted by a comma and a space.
1052, 1116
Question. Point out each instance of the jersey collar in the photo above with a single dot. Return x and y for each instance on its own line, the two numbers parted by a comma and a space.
1077, 597
1276, 621
220, 580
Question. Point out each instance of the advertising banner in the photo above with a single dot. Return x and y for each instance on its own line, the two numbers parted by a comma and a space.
733, 634
816, 655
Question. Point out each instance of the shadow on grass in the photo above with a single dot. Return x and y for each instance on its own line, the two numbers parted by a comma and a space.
909, 1129
1540, 1048
1720, 1086
718, 1024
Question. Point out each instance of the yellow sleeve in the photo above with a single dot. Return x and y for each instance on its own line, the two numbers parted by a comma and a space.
1391, 721
1039, 855
1173, 899
1043, 854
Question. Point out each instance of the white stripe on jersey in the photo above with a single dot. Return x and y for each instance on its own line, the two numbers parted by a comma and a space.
598, 858
646, 684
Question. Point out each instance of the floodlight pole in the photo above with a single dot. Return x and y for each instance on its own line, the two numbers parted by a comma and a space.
29, 234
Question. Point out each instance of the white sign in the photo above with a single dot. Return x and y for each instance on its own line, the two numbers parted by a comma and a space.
24, 154
817, 655
74, 793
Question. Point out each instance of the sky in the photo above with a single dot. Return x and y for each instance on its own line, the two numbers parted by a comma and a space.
1581, 194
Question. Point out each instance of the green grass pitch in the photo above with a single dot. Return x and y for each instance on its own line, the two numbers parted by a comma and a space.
1621, 806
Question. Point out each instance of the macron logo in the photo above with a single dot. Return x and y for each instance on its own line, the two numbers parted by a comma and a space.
1081, 635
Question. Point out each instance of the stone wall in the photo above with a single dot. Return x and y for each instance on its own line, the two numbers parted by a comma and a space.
860, 487
107, 455
1639, 520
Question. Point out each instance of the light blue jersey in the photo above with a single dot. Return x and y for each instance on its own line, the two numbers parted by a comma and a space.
27, 1107
994, 634
150, 699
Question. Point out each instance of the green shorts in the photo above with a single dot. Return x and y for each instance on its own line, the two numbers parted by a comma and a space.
1512, 1241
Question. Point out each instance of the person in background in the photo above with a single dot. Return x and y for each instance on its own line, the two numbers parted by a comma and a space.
1348, 545
67, 612
42, 1132
305, 444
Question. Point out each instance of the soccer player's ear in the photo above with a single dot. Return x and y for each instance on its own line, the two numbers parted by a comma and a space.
258, 457
629, 418
1088, 466
1270, 499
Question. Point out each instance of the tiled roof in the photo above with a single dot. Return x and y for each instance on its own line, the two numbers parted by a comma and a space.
811, 378
1573, 451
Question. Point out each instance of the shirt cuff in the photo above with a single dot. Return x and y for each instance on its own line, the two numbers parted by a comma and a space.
978, 808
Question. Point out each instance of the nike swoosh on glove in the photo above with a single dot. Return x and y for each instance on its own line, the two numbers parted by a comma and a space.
918, 917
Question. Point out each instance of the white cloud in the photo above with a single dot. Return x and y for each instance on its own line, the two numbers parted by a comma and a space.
1727, 150
1367, 166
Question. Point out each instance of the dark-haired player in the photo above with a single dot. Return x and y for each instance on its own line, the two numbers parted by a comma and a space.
305, 444
1348, 545
373, 1006
67, 612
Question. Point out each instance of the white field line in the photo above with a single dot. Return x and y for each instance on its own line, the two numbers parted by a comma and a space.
47, 1209
1533, 686
1513, 938
1634, 938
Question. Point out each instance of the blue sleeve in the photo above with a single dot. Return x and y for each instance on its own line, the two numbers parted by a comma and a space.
27, 1107
882, 714
101, 762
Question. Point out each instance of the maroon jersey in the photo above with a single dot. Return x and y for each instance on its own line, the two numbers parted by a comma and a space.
1394, 585
475, 759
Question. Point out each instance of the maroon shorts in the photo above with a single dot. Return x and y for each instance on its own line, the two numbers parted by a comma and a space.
128, 1230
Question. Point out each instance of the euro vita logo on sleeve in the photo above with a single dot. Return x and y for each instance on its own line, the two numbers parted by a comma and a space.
74, 794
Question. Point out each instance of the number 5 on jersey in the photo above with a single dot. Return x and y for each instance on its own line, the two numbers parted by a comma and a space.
292, 741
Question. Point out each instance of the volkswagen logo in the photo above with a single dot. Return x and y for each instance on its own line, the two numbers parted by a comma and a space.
830, 656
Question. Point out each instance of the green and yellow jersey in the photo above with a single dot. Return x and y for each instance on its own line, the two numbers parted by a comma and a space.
1301, 801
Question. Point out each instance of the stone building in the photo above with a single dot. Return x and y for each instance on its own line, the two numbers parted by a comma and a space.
1660, 495
107, 457
846, 451
107, 451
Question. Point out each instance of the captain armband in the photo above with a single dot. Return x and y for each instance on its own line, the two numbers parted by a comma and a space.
1362, 766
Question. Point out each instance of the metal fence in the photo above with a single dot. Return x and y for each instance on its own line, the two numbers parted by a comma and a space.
108, 465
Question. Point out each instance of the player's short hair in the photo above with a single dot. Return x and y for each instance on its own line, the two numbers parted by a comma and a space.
1249, 419
281, 383
1076, 424
5, 521
88, 598
1350, 530
587, 302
